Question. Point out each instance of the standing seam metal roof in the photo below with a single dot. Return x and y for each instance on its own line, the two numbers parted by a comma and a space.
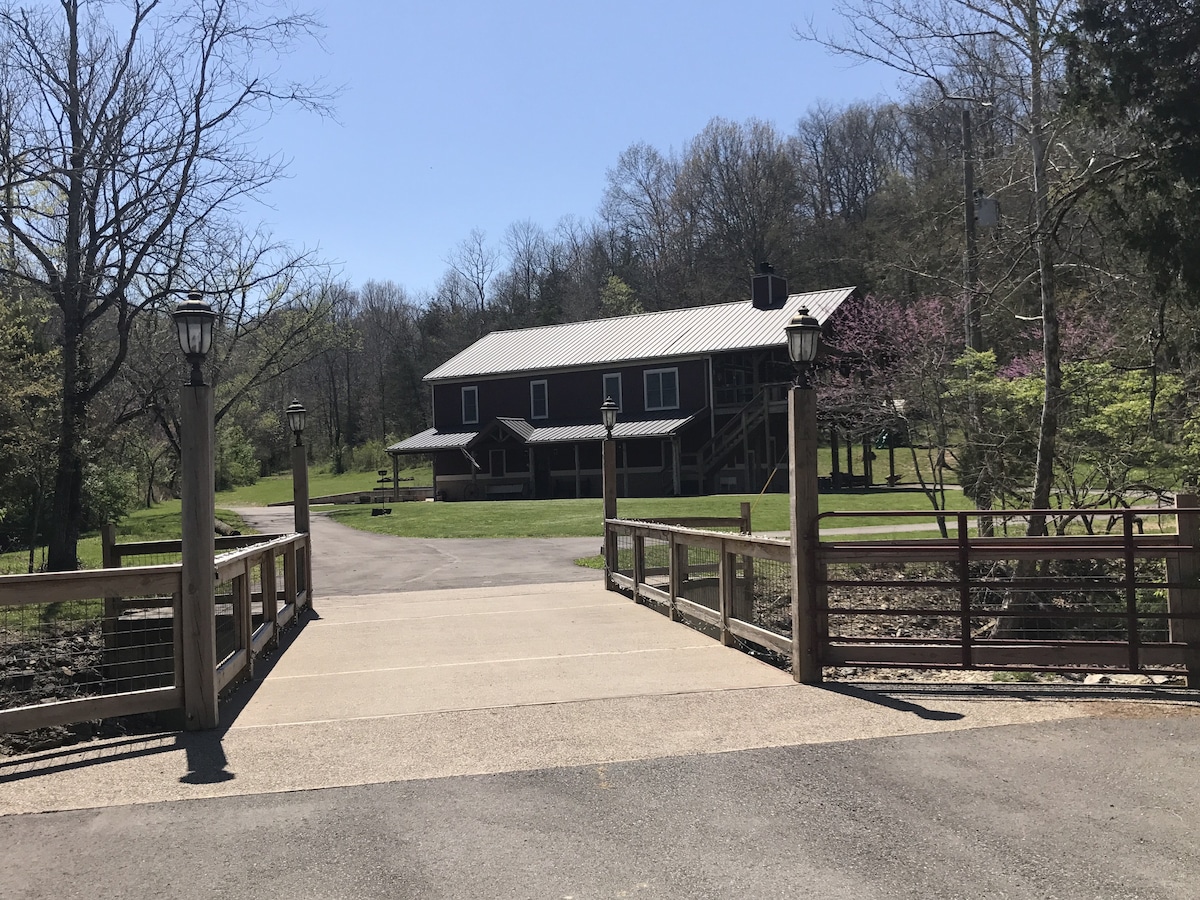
668, 334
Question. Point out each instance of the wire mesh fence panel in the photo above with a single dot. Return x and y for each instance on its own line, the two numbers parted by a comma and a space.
227, 637
768, 584
656, 568
280, 573
85, 648
698, 576
624, 564
163, 557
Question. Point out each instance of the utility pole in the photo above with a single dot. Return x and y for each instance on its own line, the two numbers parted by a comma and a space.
971, 317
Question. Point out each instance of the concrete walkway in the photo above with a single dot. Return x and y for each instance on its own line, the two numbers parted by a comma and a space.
389, 687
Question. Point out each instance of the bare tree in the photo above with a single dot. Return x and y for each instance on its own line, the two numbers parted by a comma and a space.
1015, 45
128, 144
474, 262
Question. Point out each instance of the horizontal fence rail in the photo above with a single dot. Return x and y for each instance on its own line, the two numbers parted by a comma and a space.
736, 584
76, 646
1126, 599
94, 644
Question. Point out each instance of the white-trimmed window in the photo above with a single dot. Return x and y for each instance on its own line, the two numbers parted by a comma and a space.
662, 389
612, 388
470, 405
539, 404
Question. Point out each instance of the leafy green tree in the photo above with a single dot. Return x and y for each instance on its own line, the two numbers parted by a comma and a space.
1132, 66
28, 405
618, 299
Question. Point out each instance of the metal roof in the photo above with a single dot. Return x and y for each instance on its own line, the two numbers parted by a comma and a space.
519, 427
562, 434
668, 334
430, 440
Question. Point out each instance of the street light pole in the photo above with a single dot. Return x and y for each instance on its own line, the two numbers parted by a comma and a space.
804, 336
608, 415
296, 416
198, 625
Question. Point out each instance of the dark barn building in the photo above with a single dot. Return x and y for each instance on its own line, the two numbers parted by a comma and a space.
701, 394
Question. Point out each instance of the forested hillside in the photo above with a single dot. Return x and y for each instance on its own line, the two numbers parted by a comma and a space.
1038, 357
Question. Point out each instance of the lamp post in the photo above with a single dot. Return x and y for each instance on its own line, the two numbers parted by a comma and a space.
296, 416
804, 341
608, 416
194, 324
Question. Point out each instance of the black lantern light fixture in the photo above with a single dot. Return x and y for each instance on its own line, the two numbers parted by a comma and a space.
194, 322
295, 417
608, 415
804, 340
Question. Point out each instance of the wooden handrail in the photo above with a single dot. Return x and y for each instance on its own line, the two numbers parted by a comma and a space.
88, 584
228, 563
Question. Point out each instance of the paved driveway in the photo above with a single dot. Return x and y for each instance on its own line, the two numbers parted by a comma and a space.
351, 562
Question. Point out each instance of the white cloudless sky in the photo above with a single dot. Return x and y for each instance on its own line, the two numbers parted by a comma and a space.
465, 114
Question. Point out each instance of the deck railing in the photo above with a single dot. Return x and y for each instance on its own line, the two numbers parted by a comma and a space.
93, 644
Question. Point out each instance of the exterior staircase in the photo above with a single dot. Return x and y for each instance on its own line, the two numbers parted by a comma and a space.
728, 437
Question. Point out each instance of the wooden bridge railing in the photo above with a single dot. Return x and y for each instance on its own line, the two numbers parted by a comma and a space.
93, 644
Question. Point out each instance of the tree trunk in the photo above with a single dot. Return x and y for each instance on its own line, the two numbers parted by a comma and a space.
66, 511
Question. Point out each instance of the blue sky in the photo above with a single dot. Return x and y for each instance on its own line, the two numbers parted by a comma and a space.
466, 114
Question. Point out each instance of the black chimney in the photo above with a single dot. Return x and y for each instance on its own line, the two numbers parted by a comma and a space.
768, 290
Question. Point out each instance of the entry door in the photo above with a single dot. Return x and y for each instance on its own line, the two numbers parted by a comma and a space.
496, 463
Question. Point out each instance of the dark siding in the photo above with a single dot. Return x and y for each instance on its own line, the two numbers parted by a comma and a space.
571, 396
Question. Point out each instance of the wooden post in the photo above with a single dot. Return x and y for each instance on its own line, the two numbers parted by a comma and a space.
300, 508
609, 488
270, 600
678, 575
639, 565
802, 475
744, 608
1184, 570
726, 566
243, 615
199, 544
112, 605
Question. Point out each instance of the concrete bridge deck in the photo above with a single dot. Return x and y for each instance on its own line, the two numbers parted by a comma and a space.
426, 684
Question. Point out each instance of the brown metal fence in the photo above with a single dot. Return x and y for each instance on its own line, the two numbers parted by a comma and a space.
1075, 601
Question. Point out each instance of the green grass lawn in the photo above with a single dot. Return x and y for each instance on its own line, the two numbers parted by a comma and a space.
278, 488
582, 518
159, 523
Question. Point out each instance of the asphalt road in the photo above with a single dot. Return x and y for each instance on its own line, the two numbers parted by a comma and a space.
351, 562
1084, 809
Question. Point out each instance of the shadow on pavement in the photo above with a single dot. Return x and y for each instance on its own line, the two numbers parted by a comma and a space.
884, 698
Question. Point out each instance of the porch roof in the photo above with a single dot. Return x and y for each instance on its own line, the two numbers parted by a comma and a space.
594, 431
431, 440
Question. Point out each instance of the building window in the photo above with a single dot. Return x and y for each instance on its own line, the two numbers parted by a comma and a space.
612, 388
470, 405
539, 408
662, 389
